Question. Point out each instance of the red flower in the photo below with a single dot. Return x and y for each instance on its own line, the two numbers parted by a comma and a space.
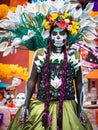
96, 41
11, 104
49, 16
52, 23
62, 24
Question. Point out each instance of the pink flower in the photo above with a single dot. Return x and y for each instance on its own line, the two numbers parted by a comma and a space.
69, 27
62, 24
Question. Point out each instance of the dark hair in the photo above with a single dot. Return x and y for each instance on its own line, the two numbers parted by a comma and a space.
45, 118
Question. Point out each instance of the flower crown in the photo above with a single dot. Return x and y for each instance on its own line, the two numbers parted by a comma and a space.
63, 21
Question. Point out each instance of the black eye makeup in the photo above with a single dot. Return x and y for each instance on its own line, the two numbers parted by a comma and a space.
54, 33
62, 33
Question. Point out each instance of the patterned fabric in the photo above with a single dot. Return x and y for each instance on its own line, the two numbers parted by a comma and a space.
56, 64
55, 83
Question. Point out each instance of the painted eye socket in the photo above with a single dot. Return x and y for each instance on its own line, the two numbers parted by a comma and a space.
62, 33
54, 33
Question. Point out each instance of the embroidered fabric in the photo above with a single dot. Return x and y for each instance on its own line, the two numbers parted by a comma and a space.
55, 83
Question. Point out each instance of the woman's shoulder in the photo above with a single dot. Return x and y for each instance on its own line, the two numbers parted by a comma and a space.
41, 51
74, 52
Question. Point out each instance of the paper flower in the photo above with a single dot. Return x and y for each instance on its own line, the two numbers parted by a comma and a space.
75, 28
56, 56
56, 82
53, 16
62, 24
3, 11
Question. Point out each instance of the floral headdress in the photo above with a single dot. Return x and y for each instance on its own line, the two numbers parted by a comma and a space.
29, 25
63, 21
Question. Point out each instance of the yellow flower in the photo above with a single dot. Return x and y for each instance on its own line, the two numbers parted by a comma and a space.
75, 28
73, 31
53, 16
65, 15
7, 71
3, 11
46, 24
75, 25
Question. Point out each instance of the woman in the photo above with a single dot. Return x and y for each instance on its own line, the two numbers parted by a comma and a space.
58, 80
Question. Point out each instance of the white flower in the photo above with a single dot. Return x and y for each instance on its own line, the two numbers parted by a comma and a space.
31, 33
25, 37
7, 51
41, 58
57, 56
13, 17
37, 63
56, 82
16, 42
79, 64
3, 46
7, 24
31, 8
73, 59
67, 20
45, 33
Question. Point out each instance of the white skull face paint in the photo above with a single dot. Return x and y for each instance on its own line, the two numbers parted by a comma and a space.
59, 37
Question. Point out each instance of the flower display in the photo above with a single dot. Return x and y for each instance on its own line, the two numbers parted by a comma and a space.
8, 71
3, 11
63, 21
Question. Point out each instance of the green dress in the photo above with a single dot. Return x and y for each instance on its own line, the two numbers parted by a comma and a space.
70, 119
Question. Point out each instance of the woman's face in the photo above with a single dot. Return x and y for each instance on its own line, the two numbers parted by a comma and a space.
59, 37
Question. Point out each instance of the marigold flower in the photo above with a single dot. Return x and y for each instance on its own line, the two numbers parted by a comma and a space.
94, 13
7, 71
3, 11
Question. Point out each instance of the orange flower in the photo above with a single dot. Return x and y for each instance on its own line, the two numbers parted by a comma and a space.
13, 9
3, 11
94, 13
